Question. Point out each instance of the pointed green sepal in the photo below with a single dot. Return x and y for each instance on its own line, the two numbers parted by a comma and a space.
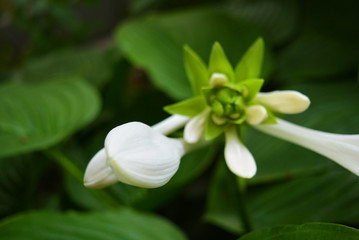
236, 87
189, 107
213, 130
196, 70
250, 66
218, 62
252, 87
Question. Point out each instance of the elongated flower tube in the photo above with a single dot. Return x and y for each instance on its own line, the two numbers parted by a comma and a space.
341, 148
135, 154
195, 127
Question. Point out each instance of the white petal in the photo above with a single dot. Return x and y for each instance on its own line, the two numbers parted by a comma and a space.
170, 124
256, 114
238, 158
141, 155
98, 174
341, 148
218, 79
194, 129
289, 102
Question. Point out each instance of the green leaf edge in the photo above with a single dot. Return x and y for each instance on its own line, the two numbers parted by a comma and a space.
196, 70
189, 107
219, 63
245, 68
281, 231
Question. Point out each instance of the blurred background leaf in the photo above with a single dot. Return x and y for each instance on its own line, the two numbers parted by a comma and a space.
121, 224
20, 179
277, 20
156, 43
37, 116
317, 231
316, 57
92, 64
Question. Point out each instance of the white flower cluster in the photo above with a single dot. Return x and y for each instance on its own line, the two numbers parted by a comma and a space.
143, 156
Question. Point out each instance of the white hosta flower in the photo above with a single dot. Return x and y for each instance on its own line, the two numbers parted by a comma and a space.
135, 154
341, 148
225, 99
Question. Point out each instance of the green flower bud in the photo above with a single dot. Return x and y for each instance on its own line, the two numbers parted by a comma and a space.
235, 115
218, 119
228, 109
239, 104
225, 95
217, 107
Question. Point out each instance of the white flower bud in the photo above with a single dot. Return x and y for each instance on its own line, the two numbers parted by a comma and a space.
218, 79
140, 156
288, 102
256, 114
98, 174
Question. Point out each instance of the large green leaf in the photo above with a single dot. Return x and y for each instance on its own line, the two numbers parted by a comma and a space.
329, 196
310, 231
314, 56
276, 19
99, 199
36, 116
326, 196
93, 64
124, 224
155, 43
332, 19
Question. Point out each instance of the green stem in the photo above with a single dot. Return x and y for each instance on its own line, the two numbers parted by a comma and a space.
241, 198
66, 163
241, 189
75, 171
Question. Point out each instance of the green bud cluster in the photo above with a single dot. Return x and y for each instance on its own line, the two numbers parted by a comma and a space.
226, 103
223, 95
